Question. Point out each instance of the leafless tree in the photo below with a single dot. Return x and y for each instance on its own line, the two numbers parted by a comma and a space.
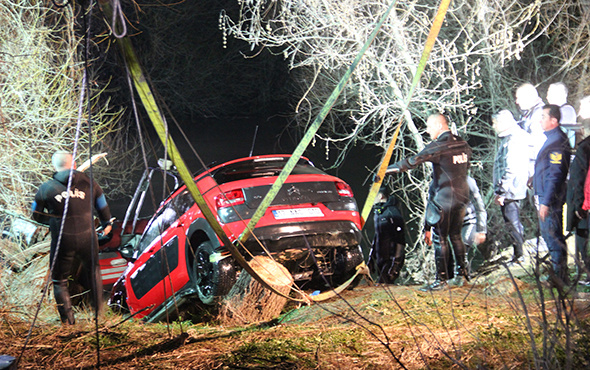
41, 101
321, 38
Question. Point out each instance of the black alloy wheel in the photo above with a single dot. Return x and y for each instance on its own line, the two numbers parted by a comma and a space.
214, 276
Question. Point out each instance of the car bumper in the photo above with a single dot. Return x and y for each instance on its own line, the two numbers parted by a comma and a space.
326, 234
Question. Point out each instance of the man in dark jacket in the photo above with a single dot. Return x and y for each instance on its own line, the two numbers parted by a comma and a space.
449, 155
549, 182
388, 253
66, 204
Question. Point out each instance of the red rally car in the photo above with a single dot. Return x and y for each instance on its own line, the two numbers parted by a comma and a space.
312, 227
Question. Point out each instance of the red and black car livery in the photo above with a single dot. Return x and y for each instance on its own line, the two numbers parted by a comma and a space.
312, 227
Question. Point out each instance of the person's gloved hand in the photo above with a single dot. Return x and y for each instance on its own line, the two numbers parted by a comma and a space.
107, 226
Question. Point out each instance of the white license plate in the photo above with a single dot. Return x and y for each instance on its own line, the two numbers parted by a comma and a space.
281, 214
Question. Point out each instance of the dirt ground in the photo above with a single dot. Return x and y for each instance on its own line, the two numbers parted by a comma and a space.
486, 323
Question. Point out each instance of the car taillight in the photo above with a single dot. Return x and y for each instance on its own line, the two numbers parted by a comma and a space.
344, 189
230, 198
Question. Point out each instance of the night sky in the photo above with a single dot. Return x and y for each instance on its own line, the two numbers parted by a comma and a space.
219, 97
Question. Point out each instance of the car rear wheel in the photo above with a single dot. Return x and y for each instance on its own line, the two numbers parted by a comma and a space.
214, 276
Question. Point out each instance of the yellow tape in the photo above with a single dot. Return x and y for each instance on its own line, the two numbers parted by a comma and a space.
361, 269
432, 35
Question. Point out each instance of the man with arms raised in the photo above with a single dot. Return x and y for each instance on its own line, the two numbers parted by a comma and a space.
70, 196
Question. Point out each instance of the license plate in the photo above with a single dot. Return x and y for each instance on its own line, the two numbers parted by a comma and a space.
281, 214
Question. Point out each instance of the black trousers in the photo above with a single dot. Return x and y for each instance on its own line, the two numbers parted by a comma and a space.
76, 250
582, 257
448, 234
511, 215
390, 260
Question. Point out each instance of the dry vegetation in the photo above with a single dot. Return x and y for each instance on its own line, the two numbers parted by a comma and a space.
44, 103
481, 325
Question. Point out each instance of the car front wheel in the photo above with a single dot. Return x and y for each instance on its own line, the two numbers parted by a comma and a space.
214, 275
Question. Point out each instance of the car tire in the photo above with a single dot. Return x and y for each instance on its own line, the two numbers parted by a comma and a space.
118, 298
346, 262
213, 279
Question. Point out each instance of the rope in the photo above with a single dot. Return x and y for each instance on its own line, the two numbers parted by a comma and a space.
94, 241
66, 206
118, 16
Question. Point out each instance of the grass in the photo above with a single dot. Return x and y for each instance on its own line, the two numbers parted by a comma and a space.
465, 328
482, 324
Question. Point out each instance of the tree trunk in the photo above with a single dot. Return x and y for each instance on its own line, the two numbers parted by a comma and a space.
249, 302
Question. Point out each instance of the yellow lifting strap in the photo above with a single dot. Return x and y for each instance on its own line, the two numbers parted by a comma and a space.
432, 35
151, 107
380, 175
361, 269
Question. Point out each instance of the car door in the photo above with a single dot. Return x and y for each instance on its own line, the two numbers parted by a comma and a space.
160, 269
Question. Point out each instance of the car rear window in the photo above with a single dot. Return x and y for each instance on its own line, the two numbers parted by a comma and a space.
261, 168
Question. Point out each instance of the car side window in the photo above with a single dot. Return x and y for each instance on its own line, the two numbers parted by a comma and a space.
165, 217
158, 266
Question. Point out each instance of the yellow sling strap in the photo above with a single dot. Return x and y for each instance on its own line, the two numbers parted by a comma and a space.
432, 35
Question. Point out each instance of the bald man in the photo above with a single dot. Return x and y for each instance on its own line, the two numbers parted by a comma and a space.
449, 194
77, 238
557, 94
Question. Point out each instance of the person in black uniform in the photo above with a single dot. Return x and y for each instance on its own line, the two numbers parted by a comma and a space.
76, 238
388, 253
449, 155
474, 228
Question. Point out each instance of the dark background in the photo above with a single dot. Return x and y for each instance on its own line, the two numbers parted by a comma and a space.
227, 101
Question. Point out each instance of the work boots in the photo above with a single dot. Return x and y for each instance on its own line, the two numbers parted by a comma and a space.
394, 270
463, 269
63, 301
